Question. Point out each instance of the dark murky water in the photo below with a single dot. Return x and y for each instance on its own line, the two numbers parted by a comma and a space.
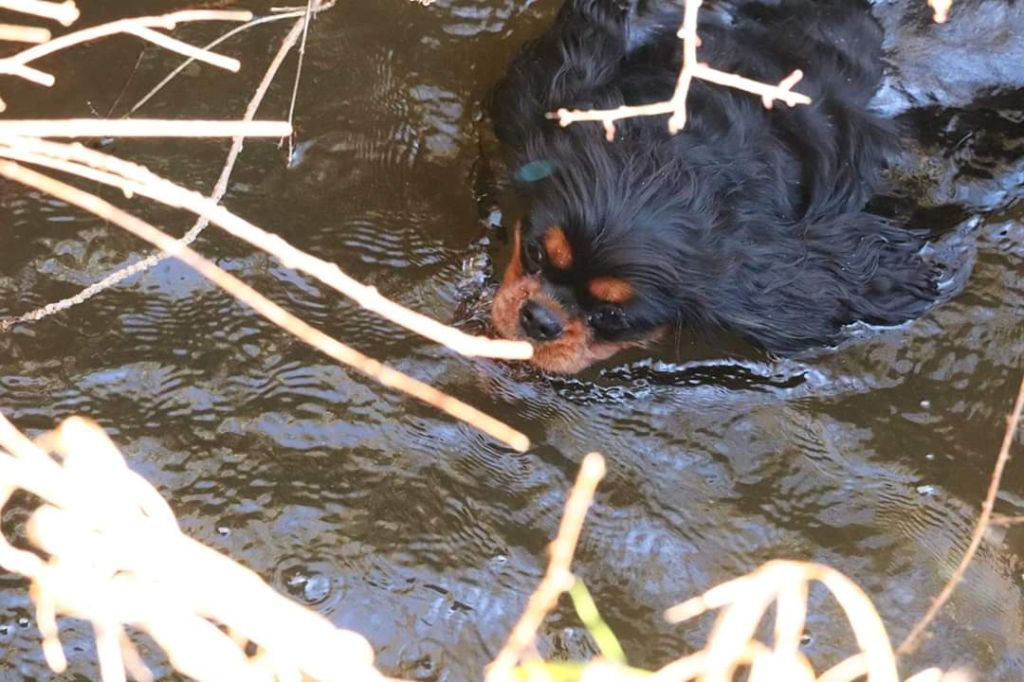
424, 535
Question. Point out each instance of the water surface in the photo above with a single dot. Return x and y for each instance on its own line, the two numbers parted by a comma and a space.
419, 532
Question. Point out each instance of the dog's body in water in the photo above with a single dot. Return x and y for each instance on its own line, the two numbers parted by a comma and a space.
748, 220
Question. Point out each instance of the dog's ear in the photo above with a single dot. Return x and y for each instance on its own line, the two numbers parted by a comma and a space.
886, 276
813, 278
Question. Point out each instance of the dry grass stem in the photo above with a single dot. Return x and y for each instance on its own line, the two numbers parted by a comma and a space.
116, 557
690, 70
64, 13
334, 349
746, 601
1012, 423
23, 34
558, 578
98, 127
17, 64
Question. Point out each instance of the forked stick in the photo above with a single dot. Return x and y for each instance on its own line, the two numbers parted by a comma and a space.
691, 69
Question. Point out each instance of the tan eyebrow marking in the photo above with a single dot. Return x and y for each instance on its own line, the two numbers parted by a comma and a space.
557, 246
610, 289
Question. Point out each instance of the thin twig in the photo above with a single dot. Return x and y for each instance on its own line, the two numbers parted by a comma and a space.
65, 13
98, 127
24, 34
558, 578
909, 644
329, 346
769, 93
306, 19
186, 49
219, 190
134, 179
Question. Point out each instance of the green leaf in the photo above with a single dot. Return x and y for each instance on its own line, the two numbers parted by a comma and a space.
607, 642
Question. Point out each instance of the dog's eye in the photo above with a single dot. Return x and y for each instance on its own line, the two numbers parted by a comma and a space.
533, 256
608, 319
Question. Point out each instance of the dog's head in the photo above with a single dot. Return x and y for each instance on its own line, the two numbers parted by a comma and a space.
594, 266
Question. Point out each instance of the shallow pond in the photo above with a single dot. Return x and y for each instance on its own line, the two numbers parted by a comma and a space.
422, 534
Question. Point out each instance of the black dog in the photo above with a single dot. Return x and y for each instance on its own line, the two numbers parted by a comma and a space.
748, 220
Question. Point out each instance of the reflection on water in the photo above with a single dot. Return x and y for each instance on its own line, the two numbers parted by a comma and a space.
419, 532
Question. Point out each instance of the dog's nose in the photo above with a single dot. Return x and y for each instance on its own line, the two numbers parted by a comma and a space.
539, 323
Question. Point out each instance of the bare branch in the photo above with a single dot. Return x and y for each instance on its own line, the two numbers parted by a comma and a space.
329, 346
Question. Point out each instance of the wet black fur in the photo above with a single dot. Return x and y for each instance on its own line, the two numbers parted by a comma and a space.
748, 220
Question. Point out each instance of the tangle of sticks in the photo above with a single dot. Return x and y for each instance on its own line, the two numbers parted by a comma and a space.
23, 142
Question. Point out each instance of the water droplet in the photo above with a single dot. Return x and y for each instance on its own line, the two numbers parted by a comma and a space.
494, 218
317, 588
